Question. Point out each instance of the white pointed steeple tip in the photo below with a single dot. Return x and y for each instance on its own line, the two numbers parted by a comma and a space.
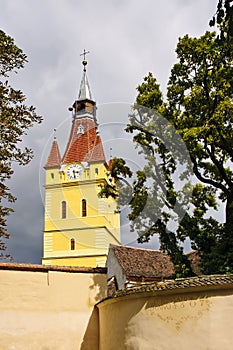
84, 91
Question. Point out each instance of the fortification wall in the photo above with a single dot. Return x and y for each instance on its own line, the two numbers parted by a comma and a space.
194, 314
43, 308
54, 308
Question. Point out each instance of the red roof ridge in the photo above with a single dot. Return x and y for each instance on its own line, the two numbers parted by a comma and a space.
136, 248
96, 153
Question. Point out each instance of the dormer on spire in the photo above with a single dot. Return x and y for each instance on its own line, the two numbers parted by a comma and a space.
84, 105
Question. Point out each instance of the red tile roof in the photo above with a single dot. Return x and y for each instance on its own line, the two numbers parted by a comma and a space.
137, 262
54, 158
198, 283
84, 147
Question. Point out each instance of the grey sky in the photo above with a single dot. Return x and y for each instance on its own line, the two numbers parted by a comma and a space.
127, 39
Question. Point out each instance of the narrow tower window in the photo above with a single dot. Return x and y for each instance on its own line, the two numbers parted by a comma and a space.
84, 207
63, 209
72, 244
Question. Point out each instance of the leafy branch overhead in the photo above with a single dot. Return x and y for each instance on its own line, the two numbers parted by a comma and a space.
16, 119
187, 143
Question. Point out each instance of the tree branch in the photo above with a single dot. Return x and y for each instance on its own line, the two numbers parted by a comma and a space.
205, 180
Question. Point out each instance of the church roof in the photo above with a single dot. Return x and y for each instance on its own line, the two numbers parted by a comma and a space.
84, 146
54, 158
137, 262
84, 143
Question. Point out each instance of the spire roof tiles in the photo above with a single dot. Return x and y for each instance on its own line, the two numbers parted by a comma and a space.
54, 158
84, 147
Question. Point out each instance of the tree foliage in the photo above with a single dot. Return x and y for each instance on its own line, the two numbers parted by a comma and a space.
16, 118
223, 18
199, 107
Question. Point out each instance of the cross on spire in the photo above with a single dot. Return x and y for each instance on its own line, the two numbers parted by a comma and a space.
84, 54
84, 62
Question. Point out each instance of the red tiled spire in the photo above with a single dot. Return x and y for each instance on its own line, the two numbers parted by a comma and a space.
85, 144
54, 158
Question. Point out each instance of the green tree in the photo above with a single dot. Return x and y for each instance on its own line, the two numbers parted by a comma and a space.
199, 106
200, 92
16, 118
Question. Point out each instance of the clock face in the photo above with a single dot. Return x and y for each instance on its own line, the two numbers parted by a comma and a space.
74, 171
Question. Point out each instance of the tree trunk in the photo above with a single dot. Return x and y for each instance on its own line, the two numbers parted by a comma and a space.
229, 212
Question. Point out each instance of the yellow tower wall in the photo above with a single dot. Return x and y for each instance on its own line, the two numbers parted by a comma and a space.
92, 233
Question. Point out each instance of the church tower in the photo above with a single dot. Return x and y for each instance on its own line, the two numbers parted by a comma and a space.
79, 226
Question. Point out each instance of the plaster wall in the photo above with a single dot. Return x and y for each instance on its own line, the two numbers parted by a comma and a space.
165, 321
49, 310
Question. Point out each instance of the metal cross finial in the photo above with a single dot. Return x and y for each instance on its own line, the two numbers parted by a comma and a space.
54, 134
84, 54
84, 58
